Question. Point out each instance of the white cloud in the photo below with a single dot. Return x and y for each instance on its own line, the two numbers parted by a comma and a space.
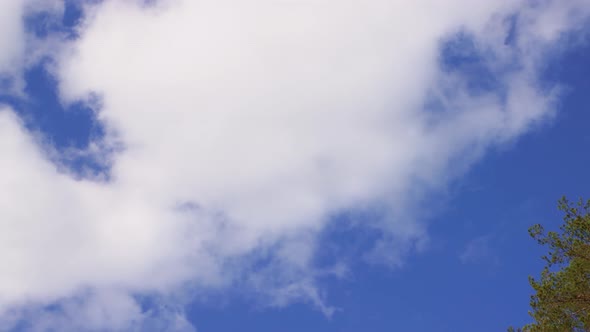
245, 127
11, 38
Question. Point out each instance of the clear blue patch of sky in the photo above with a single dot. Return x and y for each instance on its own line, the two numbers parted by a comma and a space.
43, 23
65, 128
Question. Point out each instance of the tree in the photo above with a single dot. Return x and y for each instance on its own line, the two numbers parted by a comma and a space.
562, 294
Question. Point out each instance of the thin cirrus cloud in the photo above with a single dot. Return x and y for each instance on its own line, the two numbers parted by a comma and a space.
238, 129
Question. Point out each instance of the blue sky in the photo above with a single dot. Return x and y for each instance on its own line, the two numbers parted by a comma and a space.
182, 166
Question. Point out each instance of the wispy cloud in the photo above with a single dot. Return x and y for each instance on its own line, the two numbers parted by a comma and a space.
480, 250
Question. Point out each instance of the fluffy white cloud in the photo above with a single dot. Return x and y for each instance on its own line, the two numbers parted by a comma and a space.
244, 126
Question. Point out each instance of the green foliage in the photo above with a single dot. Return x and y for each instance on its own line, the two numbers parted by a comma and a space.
562, 295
